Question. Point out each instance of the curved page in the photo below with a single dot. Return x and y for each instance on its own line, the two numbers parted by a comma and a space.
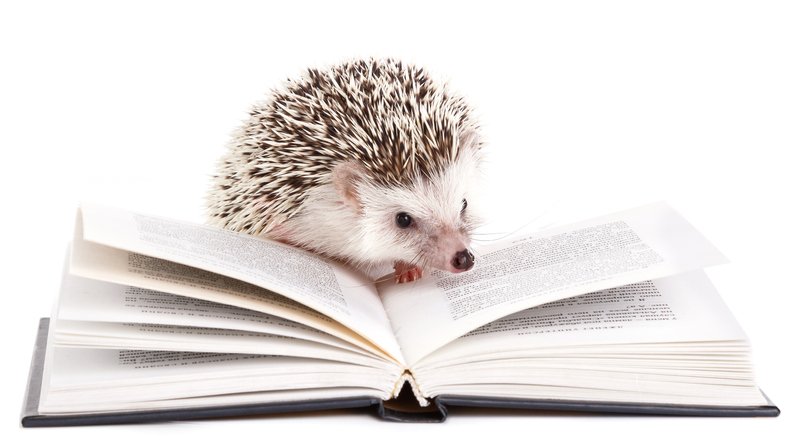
333, 290
84, 299
623, 248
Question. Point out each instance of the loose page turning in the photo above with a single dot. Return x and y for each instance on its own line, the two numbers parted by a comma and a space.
102, 263
96, 301
328, 288
633, 246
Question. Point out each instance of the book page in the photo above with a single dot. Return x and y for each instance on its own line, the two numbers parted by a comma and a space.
680, 309
84, 299
98, 262
632, 246
157, 337
328, 288
78, 379
83, 379
671, 340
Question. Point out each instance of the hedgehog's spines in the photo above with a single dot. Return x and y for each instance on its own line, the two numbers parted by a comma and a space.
391, 118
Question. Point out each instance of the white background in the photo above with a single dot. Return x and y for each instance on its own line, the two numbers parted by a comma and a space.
587, 107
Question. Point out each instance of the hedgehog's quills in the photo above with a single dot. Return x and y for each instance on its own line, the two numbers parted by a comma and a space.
369, 162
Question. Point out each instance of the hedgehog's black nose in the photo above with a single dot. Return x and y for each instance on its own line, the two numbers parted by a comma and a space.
463, 260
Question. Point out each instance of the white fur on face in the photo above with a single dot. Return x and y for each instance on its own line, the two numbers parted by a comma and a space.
368, 236
439, 228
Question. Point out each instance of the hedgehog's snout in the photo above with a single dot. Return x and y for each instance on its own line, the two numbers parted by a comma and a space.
463, 260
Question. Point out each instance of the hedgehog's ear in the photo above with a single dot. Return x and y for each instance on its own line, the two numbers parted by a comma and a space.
346, 178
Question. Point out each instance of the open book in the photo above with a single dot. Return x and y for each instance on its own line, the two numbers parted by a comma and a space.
159, 319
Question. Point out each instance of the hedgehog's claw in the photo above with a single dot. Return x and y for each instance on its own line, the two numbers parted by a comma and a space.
407, 272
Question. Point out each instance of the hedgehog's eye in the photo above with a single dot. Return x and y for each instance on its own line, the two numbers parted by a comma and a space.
403, 220
463, 205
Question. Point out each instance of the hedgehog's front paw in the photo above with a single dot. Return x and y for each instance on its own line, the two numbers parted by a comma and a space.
407, 272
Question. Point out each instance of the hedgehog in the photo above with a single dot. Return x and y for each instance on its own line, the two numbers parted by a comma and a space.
369, 162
